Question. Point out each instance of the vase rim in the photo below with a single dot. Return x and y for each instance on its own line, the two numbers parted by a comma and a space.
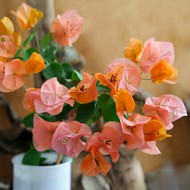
51, 157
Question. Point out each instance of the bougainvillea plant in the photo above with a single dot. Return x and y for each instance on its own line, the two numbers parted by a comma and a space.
65, 109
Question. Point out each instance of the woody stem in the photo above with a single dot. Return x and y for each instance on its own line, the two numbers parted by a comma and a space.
141, 102
37, 41
59, 158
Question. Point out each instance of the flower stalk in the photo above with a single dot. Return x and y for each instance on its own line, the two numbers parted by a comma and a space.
59, 159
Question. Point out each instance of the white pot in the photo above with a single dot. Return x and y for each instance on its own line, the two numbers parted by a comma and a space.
51, 177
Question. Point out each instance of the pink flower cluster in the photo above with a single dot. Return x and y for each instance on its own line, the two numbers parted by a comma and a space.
137, 130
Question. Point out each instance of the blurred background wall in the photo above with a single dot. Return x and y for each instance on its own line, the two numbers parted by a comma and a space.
107, 28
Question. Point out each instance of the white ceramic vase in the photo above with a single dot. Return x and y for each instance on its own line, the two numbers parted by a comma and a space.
50, 177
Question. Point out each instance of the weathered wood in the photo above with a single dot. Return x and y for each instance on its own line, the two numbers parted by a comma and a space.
95, 183
127, 173
13, 137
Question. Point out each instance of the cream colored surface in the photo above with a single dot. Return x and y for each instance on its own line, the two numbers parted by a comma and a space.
107, 28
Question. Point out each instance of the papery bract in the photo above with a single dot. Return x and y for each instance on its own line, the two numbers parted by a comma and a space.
95, 142
52, 92
66, 139
166, 108
53, 96
124, 101
66, 28
12, 75
163, 72
43, 133
133, 50
92, 165
27, 16
50, 98
30, 96
150, 148
85, 91
34, 64
9, 45
133, 128
6, 26
159, 113
106, 143
111, 79
155, 51
94, 162
131, 76
155, 130
113, 136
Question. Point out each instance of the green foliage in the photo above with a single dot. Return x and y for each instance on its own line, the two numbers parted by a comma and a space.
53, 70
107, 104
17, 54
76, 76
64, 113
28, 120
68, 70
46, 41
28, 39
49, 54
102, 89
85, 112
48, 117
32, 157
27, 53
102, 100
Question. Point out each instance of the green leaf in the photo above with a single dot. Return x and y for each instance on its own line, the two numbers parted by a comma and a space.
76, 75
28, 120
97, 114
53, 70
64, 113
17, 54
19, 57
109, 111
85, 111
49, 54
32, 157
45, 41
102, 89
102, 100
31, 50
48, 117
68, 69
42, 160
25, 54
28, 39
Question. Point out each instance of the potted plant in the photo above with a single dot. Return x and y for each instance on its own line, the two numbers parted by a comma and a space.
69, 102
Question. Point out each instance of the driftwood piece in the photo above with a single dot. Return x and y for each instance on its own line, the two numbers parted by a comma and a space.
95, 183
13, 137
126, 174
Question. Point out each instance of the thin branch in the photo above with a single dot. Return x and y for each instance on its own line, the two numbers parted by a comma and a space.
59, 159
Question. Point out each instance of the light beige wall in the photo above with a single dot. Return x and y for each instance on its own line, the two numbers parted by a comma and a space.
7, 5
